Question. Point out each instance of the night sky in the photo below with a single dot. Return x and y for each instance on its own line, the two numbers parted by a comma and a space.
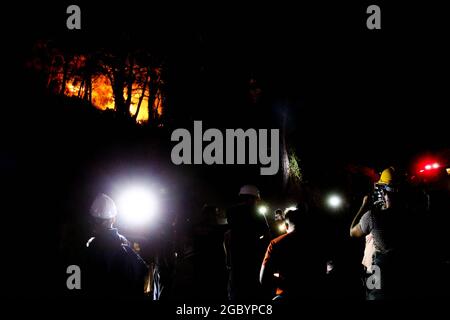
343, 86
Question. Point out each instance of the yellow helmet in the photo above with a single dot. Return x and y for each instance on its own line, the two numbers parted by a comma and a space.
387, 176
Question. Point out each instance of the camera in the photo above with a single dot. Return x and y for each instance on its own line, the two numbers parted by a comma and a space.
377, 195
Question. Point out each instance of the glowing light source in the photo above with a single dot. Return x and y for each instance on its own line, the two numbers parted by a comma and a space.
334, 201
137, 205
282, 227
429, 167
263, 210
330, 267
291, 208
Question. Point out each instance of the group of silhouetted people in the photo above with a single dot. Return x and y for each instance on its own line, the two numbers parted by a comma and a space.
245, 260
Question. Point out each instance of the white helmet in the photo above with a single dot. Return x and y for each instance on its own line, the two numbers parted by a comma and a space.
103, 207
249, 189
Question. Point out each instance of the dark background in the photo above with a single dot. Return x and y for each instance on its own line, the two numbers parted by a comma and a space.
351, 96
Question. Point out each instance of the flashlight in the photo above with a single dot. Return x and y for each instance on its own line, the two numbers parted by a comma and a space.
263, 210
334, 201
137, 205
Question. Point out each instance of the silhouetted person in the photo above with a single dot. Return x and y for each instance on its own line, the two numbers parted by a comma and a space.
390, 226
210, 273
278, 226
245, 245
435, 249
295, 264
111, 268
164, 263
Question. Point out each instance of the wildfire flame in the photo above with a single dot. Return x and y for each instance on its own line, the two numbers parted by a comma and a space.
102, 96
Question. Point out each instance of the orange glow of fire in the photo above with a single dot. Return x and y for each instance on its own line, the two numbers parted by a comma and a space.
103, 98
71, 69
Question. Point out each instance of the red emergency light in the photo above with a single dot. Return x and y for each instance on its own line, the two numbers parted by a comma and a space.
429, 167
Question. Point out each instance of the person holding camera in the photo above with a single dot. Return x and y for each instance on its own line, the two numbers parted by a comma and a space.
384, 218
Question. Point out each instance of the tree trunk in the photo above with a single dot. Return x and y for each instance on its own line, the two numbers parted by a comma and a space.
118, 80
90, 90
87, 89
284, 153
153, 90
65, 71
81, 88
117, 85
130, 80
141, 98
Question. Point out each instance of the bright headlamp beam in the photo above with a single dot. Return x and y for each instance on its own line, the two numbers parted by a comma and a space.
137, 205
262, 210
334, 201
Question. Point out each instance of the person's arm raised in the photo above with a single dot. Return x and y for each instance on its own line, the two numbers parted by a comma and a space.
355, 229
